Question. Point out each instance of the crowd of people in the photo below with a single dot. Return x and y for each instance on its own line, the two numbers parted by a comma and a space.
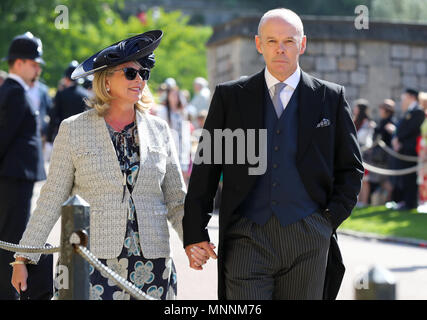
184, 116
389, 143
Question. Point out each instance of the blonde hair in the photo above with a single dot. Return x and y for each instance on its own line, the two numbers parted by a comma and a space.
422, 98
101, 99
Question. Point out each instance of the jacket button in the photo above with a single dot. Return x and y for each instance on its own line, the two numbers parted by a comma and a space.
278, 131
274, 202
276, 148
275, 165
274, 184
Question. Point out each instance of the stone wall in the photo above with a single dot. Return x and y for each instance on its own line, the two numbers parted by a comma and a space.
373, 64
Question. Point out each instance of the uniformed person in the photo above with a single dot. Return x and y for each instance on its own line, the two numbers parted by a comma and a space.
21, 159
67, 102
407, 131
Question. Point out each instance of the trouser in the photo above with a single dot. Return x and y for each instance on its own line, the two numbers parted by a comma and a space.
405, 187
410, 190
15, 207
276, 262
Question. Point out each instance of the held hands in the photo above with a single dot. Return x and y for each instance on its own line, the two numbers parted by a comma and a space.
199, 253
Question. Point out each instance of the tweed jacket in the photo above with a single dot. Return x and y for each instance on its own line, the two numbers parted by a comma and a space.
84, 162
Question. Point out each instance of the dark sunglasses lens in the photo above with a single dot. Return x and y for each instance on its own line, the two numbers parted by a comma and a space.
144, 73
130, 73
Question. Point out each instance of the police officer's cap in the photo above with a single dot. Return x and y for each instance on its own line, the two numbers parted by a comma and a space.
70, 69
26, 46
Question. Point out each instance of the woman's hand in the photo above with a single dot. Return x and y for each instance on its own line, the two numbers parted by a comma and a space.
199, 253
19, 277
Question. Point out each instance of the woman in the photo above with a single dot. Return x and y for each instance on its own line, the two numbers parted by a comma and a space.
378, 157
174, 112
122, 161
365, 130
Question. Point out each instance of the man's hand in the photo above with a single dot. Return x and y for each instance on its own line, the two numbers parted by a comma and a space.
390, 128
199, 253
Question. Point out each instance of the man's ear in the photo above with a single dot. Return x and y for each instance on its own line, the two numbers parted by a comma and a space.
258, 44
303, 45
19, 62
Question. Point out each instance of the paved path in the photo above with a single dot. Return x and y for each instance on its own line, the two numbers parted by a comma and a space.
408, 264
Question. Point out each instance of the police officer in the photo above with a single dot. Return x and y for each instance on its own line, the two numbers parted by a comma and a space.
21, 159
405, 138
67, 102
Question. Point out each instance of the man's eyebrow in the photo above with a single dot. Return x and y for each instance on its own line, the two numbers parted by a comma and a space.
287, 38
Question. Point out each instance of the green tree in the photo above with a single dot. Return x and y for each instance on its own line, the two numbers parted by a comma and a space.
93, 25
182, 52
400, 10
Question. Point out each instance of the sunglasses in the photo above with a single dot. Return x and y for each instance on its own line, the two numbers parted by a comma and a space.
130, 73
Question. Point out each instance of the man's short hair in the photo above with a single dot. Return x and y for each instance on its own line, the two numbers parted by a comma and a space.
201, 81
412, 92
11, 62
287, 15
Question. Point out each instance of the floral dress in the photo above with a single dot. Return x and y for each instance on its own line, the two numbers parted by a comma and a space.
155, 277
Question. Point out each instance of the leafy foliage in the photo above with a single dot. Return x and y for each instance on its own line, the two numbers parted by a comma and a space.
94, 25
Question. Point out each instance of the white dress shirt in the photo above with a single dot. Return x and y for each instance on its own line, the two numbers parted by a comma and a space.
19, 80
412, 106
291, 85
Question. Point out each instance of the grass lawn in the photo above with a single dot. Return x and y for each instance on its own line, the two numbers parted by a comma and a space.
383, 221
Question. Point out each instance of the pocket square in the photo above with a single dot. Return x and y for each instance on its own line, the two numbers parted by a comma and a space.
324, 123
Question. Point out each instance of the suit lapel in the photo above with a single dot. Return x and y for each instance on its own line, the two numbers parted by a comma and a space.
143, 135
107, 150
251, 102
310, 106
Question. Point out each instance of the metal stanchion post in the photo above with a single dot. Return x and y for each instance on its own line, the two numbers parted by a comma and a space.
75, 224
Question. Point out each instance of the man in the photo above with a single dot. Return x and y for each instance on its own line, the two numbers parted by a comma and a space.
275, 228
67, 102
407, 131
21, 159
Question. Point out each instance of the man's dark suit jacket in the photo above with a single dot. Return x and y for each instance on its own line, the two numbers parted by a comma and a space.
408, 130
328, 158
20, 143
67, 103
45, 107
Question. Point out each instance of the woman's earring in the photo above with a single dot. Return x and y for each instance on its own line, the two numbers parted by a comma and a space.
108, 89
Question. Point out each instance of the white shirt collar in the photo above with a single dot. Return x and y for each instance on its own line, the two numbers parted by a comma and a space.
412, 106
19, 80
291, 82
